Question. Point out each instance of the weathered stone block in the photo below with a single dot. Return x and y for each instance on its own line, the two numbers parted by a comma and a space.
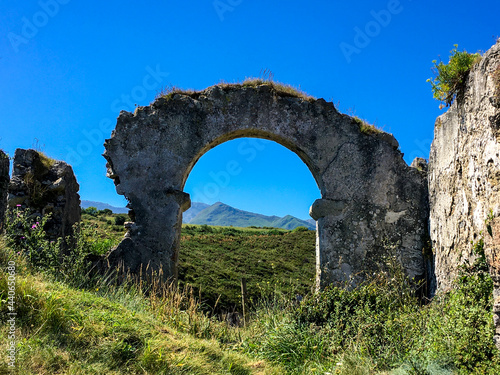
45, 186
4, 185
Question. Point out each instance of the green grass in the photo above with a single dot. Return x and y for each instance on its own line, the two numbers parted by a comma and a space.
450, 78
106, 227
214, 259
47, 162
61, 330
68, 326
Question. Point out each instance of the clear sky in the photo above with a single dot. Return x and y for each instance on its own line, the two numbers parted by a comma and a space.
67, 68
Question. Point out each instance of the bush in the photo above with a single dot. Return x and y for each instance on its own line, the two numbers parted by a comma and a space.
375, 316
92, 211
25, 236
450, 78
105, 212
275, 232
120, 219
300, 229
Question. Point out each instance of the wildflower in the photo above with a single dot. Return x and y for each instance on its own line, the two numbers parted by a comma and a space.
18, 205
23, 238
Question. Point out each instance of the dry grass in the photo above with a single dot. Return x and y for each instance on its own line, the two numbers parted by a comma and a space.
281, 89
365, 127
46, 161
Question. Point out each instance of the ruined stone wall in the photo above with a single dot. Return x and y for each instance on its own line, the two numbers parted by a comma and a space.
373, 204
4, 184
464, 175
45, 186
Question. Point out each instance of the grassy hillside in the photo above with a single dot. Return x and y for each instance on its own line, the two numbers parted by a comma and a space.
214, 260
70, 323
195, 209
111, 330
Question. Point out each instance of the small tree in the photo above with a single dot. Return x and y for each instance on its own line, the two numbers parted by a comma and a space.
450, 78
92, 211
120, 219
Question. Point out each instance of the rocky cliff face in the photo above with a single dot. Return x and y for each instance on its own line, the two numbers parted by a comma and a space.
464, 175
4, 184
45, 186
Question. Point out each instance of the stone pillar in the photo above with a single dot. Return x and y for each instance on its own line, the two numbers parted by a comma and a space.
45, 186
328, 213
4, 184
153, 238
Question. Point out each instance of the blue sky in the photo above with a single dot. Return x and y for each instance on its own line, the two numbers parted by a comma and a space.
68, 67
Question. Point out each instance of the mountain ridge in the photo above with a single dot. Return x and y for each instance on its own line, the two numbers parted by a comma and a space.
102, 206
221, 214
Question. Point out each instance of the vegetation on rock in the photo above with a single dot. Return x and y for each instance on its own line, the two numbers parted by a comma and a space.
365, 127
266, 78
450, 78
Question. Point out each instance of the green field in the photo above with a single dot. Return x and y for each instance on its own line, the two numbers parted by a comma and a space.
71, 322
215, 259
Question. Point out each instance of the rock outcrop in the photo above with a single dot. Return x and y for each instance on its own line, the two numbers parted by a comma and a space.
45, 186
4, 185
373, 205
464, 176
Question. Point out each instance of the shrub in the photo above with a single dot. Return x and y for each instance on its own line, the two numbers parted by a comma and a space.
462, 329
92, 211
120, 219
106, 212
449, 78
275, 232
25, 235
300, 229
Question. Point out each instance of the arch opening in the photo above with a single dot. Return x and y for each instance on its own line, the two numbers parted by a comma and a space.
246, 189
256, 134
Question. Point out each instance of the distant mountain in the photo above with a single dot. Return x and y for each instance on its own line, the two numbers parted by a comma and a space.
195, 209
223, 215
102, 206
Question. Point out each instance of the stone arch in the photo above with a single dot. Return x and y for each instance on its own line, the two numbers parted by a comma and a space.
369, 194
259, 134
